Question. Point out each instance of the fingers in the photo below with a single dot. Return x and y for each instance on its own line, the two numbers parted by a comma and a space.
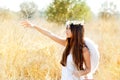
76, 74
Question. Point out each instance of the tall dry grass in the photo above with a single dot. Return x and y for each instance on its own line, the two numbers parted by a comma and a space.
106, 35
25, 54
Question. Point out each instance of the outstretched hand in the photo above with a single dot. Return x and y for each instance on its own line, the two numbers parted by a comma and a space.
26, 24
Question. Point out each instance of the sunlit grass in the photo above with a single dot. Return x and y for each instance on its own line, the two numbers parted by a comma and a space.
106, 34
25, 54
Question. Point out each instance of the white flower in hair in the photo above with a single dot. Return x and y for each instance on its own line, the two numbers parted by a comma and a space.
75, 22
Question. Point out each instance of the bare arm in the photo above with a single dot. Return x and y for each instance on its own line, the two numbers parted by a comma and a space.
87, 62
50, 35
86, 55
46, 33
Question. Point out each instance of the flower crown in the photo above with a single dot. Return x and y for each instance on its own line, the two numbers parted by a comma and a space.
75, 22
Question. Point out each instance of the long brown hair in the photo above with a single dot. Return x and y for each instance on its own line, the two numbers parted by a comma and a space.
75, 44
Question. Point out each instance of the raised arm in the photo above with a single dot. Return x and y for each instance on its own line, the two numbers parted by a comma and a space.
45, 32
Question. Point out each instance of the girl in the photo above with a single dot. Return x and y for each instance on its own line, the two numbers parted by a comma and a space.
76, 56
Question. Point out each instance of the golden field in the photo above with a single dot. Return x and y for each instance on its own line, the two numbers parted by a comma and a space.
26, 54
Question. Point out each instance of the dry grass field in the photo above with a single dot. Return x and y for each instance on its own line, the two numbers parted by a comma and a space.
26, 54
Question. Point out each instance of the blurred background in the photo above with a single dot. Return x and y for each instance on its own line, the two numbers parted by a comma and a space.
26, 54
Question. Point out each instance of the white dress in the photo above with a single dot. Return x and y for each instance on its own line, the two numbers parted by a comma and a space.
70, 67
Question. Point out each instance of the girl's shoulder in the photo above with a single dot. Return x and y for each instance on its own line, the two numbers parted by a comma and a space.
85, 49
